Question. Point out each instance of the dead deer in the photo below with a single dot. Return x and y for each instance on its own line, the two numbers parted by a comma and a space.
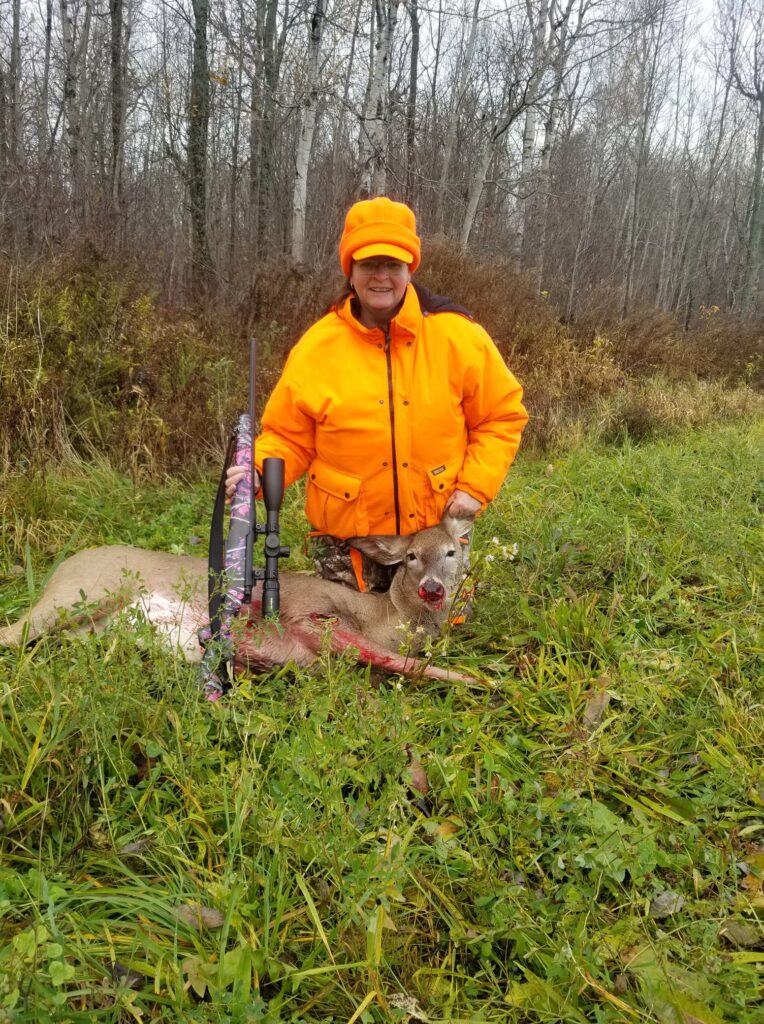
88, 589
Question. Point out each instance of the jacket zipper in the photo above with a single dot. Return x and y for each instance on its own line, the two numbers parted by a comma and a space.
389, 358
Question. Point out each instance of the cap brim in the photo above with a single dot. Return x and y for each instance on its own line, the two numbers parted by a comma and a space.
393, 252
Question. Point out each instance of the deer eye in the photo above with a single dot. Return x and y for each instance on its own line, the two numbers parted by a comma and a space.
411, 557
450, 554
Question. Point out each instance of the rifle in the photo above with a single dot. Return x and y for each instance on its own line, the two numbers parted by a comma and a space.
232, 573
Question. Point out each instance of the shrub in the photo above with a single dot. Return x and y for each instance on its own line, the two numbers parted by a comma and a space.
94, 362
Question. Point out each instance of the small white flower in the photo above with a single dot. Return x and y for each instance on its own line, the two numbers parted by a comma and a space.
490, 558
495, 540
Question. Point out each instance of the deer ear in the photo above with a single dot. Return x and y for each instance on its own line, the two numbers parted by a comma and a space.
385, 550
458, 528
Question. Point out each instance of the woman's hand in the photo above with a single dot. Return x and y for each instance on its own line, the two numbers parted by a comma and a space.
462, 505
232, 477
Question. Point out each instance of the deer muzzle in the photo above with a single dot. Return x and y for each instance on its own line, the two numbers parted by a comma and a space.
433, 593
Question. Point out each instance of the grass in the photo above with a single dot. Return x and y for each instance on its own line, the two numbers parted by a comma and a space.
269, 858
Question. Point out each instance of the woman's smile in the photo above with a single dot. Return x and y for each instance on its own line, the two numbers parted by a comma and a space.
380, 286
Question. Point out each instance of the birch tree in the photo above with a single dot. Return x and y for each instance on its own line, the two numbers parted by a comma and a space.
538, 23
309, 112
411, 101
74, 40
375, 116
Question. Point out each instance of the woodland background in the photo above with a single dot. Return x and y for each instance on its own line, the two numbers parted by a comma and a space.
587, 176
610, 149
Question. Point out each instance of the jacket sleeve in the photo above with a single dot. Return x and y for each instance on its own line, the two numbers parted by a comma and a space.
495, 417
288, 428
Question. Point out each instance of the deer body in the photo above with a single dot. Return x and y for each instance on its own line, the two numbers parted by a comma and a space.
88, 589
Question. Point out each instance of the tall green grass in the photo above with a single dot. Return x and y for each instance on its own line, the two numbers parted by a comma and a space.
270, 859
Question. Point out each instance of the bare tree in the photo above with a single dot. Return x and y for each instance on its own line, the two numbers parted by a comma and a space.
309, 113
409, 176
14, 133
75, 38
375, 116
198, 125
743, 34
455, 103
649, 50
117, 98
538, 21
519, 72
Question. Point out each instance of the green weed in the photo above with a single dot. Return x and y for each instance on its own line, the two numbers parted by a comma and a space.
591, 845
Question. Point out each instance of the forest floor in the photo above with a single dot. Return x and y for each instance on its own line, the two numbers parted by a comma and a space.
591, 844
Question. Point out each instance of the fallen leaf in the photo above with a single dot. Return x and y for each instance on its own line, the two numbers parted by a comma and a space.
198, 974
596, 705
752, 884
409, 1006
740, 933
417, 772
197, 917
133, 848
666, 904
124, 975
143, 763
494, 790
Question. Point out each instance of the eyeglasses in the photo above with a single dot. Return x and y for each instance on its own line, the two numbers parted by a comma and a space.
391, 267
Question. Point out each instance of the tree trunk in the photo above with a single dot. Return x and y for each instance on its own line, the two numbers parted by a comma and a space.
310, 109
233, 204
653, 48
526, 184
752, 269
15, 128
457, 97
4, 146
43, 127
117, 102
476, 191
410, 176
340, 139
71, 105
374, 122
198, 129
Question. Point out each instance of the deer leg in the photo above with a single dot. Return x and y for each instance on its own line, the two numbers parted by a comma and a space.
310, 632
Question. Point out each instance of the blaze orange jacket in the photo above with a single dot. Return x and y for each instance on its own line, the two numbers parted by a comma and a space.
388, 425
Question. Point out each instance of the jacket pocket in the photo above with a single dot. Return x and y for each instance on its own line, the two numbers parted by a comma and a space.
442, 482
334, 501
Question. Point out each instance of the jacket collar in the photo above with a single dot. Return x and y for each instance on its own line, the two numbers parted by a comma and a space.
405, 324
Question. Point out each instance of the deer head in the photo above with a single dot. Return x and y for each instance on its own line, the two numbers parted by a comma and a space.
431, 566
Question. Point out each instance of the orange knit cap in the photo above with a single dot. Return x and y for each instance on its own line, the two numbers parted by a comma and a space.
379, 227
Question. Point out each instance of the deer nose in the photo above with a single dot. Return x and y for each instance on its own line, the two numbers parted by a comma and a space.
432, 592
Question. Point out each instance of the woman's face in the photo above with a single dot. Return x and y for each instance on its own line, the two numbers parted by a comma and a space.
380, 284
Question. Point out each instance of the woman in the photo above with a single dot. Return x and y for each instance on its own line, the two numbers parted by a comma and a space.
396, 404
